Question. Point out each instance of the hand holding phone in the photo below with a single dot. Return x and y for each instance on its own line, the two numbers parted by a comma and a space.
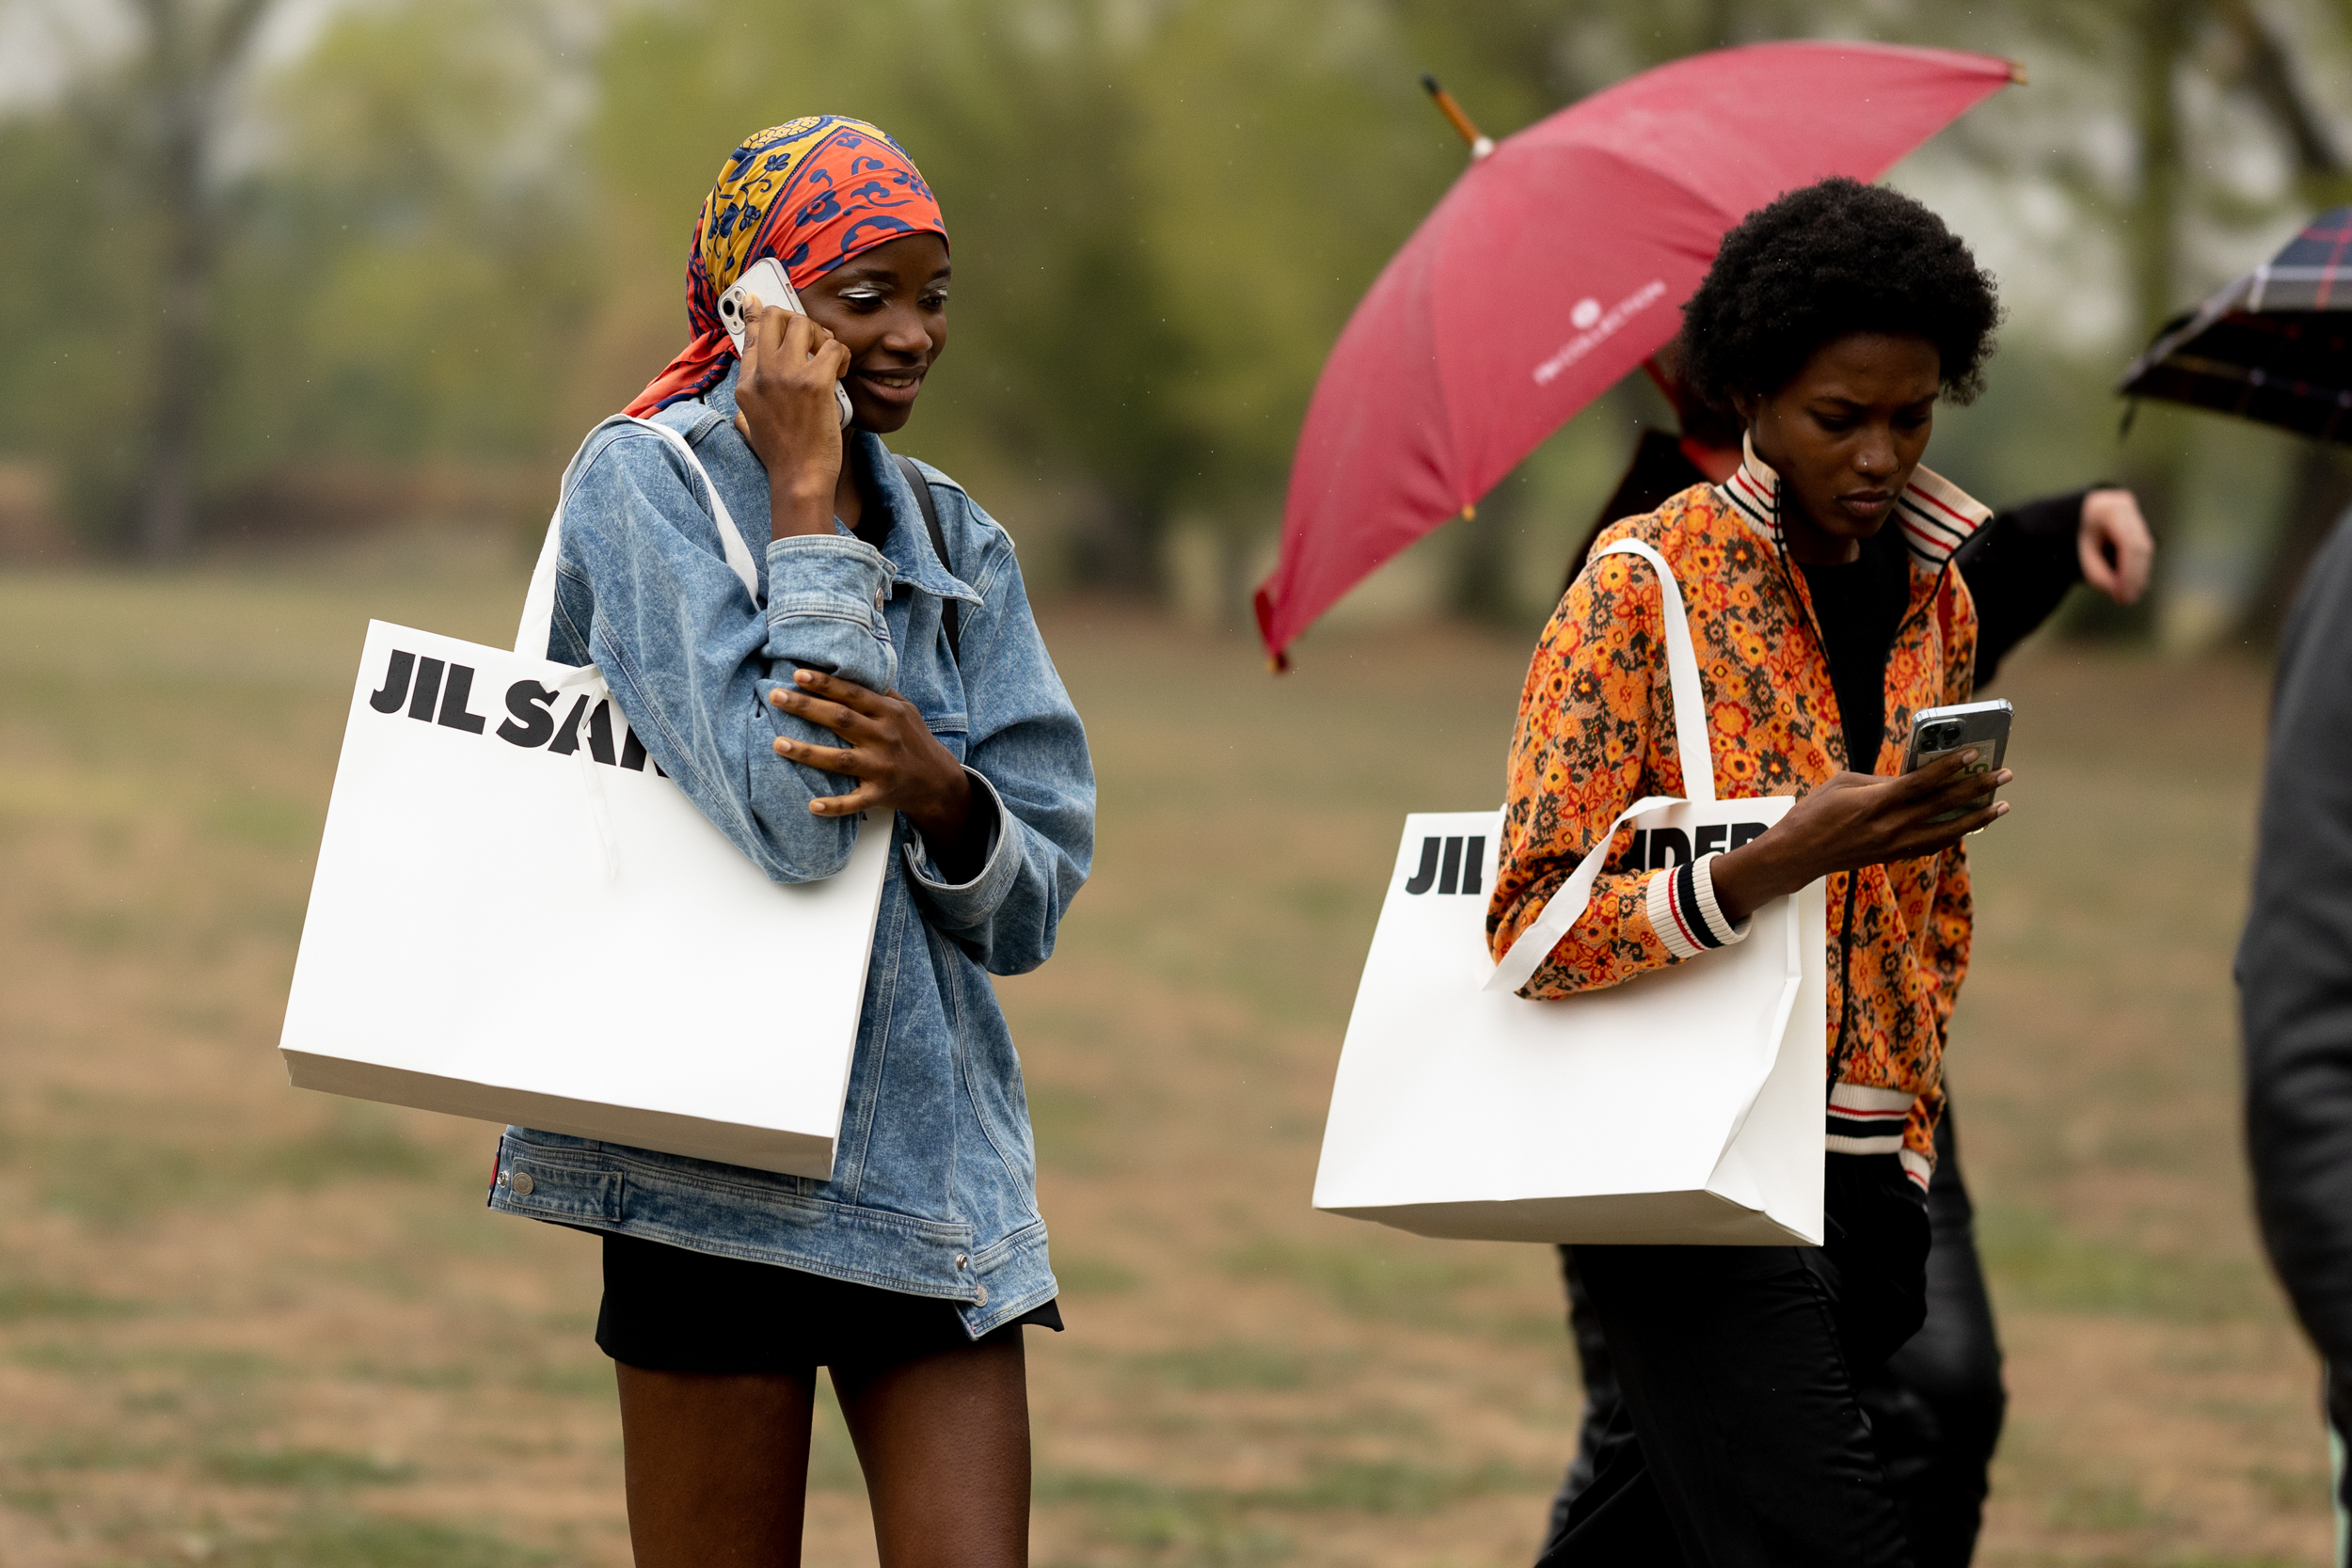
764, 282
1938, 732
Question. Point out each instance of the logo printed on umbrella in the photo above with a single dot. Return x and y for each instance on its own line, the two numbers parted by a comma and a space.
1595, 327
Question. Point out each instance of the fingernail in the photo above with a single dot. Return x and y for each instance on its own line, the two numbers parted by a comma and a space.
806, 678
1968, 756
2001, 809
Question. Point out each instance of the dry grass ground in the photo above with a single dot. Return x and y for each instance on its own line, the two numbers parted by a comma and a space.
245, 1325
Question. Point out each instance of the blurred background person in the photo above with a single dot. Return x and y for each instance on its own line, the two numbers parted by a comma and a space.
2295, 988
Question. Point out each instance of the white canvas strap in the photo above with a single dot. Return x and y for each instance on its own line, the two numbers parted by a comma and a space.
1682, 677
531, 637
1565, 907
585, 679
539, 602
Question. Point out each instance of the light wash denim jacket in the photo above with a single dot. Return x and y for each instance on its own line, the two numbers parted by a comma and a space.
934, 1190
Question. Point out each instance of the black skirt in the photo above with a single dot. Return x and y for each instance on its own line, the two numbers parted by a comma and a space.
671, 1309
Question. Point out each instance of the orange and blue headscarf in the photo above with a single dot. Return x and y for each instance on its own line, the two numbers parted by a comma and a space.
813, 193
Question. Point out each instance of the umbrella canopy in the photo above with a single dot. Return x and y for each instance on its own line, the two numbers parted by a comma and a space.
2276, 345
1554, 266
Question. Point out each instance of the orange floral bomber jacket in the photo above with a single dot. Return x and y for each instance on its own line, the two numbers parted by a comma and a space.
1596, 733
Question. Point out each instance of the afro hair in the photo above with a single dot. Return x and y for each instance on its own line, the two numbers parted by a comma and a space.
1825, 260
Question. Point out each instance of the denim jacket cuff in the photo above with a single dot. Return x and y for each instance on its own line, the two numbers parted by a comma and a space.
826, 599
964, 905
826, 574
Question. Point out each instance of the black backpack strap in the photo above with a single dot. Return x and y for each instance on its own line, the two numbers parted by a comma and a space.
950, 614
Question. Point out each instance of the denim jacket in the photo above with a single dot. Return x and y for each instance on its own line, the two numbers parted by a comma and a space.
934, 1190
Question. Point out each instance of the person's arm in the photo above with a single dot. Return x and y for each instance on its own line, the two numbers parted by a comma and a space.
691, 659
2294, 963
2019, 567
2020, 564
1032, 780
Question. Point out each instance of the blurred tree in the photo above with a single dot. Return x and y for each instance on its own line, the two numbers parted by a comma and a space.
413, 251
2323, 480
157, 114
191, 52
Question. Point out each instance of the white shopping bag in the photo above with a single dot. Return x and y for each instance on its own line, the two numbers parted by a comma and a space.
1681, 1106
516, 917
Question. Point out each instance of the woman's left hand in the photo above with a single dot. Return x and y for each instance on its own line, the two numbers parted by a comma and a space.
2114, 546
899, 765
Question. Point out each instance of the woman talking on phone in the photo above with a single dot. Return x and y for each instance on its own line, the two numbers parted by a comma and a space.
886, 666
1825, 612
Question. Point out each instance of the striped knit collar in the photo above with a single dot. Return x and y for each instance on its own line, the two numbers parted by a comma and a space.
1937, 516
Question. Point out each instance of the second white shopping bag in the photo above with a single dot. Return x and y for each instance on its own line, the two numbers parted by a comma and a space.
1681, 1106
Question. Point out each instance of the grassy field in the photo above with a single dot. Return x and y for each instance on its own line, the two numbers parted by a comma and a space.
245, 1325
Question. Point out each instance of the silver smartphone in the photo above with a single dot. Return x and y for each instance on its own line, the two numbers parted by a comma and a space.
765, 280
1938, 732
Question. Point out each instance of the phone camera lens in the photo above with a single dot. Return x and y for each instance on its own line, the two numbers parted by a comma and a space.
1943, 738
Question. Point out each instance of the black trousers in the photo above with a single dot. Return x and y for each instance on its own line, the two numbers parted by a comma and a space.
1935, 1411
1739, 1439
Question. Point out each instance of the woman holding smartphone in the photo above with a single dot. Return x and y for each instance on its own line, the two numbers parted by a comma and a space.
871, 673
1826, 611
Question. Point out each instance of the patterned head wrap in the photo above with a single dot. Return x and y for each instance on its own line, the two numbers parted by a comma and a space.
813, 193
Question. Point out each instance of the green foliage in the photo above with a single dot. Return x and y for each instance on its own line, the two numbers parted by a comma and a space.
453, 232
75, 284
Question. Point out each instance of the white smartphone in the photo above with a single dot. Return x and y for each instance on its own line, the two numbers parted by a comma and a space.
1938, 732
766, 281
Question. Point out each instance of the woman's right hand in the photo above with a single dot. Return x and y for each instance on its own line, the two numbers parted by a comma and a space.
1854, 820
785, 409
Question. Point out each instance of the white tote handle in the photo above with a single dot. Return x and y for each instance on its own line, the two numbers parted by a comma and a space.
1566, 905
539, 602
1682, 677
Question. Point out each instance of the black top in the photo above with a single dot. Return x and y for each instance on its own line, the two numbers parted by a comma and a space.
1860, 606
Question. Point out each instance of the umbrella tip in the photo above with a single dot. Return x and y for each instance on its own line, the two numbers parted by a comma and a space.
1479, 145
2017, 74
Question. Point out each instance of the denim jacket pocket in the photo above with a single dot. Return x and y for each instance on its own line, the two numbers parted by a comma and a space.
549, 1186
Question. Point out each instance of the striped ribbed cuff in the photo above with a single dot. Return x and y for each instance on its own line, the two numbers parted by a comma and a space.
1916, 1168
1683, 911
1867, 1120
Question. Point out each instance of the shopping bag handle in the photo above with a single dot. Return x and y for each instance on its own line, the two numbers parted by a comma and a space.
539, 602
1565, 907
1682, 677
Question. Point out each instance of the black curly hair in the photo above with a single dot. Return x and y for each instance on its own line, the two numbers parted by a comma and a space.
1825, 260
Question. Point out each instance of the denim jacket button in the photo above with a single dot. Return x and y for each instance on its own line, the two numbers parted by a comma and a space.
979, 1297
961, 1260
522, 1183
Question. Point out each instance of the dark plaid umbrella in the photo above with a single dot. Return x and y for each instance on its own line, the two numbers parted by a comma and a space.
2276, 345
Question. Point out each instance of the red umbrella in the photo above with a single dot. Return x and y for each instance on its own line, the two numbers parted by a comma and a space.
1554, 266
